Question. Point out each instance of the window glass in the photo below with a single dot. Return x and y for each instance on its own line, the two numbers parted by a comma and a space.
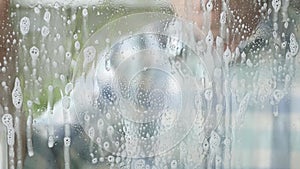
149, 84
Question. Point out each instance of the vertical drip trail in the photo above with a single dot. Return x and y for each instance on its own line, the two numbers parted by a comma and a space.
30, 151
7, 120
50, 128
276, 4
207, 16
66, 101
17, 99
228, 114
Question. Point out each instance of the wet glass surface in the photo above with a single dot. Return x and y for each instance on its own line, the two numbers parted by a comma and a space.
150, 84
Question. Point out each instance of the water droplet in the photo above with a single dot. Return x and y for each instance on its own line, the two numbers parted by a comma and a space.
3, 69
243, 55
209, 6
218, 160
66, 102
227, 55
36, 10
47, 16
173, 164
67, 141
118, 160
100, 123
278, 95
111, 159
84, 12
208, 94
140, 163
106, 145
101, 159
68, 55
205, 145
77, 45
89, 54
110, 130
94, 160
68, 88
86, 117
50, 141
24, 25
209, 38
249, 63
98, 140
286, 25
219, 108
108, 116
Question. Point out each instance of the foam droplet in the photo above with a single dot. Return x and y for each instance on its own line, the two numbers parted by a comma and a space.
67, 141
278, 95
91, 133
7, 120
84, 12
24, 25
214, 140
106, 145
294, 46
11, 136
242, 109
244, 56
276, 4
66, 102
77, 45
45, 31
17, 97
227, 56
209, 38
36, 10
174, 164
47, 16
50, 141
34, 53
89, 54
68, 88
209, 6
223, 17
208, 94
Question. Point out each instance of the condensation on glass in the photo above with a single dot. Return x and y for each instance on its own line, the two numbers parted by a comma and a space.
150, 84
